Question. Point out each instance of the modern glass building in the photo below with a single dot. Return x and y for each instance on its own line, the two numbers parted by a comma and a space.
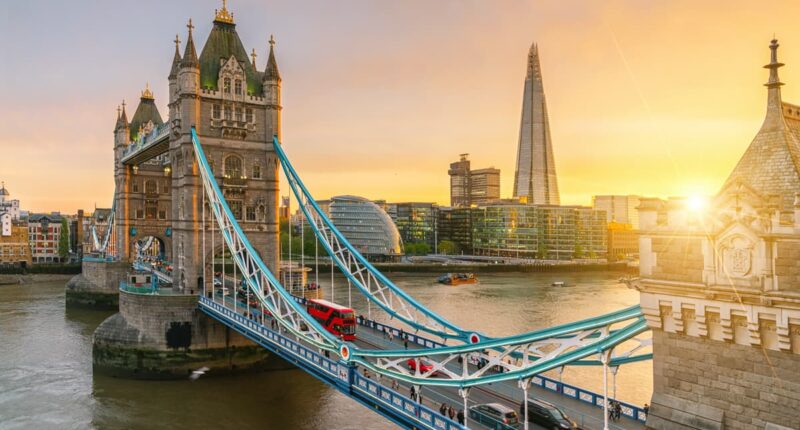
539, 232
455, 225
368, 227
417, 222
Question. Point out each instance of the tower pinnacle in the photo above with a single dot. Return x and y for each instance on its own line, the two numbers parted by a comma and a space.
222, 15
271, 71
253, 55
190, 53
176, 59
774, 116
147, 94
773, 65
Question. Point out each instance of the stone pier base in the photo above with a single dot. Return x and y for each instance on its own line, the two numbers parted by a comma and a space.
97, 286
166, 337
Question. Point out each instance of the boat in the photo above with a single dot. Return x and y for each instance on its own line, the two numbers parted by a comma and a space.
458, 279
558, 284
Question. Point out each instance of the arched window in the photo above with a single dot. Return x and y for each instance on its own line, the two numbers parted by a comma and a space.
226, 85
238, 87
233, 167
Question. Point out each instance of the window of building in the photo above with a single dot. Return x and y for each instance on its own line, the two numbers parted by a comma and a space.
249, 113
227, 113
162, 214
251, 213
238, 86
135, 186
233, 167
239, 114
139, 213
164, 187
256, 171
217, 112
150, 187
236, 208
151, 211
226, 85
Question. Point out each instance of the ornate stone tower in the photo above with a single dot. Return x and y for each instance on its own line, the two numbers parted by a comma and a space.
721, 289
236, 110
535, 177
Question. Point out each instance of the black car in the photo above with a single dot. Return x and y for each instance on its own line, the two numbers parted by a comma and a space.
547, 415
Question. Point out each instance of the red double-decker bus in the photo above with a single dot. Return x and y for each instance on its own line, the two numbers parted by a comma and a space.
337, 319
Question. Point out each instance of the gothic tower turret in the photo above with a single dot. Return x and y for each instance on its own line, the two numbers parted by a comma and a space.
272, 90
173, 79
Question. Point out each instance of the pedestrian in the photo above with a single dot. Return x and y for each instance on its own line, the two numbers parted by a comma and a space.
419, 397
366, 375
646, 409
451, 412
391, 336
412, 394
395, 384
443, 409
405, 344
617, 410
460, 416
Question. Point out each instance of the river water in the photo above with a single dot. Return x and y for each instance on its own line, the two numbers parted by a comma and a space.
46, 379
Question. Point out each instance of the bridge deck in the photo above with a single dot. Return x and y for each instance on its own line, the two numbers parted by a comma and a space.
587, 416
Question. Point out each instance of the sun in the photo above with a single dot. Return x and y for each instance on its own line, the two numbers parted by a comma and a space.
696, 203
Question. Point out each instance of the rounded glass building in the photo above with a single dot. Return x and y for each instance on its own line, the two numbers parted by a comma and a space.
367, 226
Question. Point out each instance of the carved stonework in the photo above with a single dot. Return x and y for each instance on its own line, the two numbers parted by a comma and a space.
737, 256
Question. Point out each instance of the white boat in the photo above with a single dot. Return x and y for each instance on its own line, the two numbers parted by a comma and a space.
558, 284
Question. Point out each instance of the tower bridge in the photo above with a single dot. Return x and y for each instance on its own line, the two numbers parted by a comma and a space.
205, 185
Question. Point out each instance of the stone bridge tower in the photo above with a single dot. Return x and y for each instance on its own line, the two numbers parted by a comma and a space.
236, 110
721, 289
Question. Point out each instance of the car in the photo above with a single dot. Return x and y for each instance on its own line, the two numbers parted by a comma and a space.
423, 368
494, 416
547, 415
217, 282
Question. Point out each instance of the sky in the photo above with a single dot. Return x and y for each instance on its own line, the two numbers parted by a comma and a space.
645, 97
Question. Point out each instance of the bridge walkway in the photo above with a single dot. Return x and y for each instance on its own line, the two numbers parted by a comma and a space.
588, 417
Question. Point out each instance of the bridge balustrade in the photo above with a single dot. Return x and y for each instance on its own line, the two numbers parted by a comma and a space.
339, 374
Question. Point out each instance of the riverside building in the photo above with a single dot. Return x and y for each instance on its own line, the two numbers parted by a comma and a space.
368, 227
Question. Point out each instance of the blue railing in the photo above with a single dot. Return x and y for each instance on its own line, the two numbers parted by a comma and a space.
91, 259
341, 375
628, 410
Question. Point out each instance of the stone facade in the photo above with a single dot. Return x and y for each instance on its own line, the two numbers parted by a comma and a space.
98, 284
166, 336
720, 289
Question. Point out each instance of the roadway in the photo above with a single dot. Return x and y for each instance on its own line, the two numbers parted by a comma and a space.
587, 416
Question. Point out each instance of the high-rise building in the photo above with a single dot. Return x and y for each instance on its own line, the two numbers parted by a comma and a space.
472, 187
459, 181
455, 225
535, 178
619, 209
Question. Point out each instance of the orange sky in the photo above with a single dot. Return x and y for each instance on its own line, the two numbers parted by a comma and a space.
653, 98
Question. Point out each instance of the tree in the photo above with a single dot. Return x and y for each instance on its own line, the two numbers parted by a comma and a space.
63, 240
578, 252
447, 247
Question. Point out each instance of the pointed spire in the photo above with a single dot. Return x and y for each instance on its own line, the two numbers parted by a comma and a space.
534, 69
122, 118
176, 59
253, 55
774, 104
190, 54
271, 72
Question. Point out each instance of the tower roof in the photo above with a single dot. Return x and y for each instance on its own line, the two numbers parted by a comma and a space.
122, 118
271, 72
176, 59
190, 53
146, 111
222, 43
3, 190
771, 164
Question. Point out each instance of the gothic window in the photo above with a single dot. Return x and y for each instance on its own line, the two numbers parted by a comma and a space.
238, 114
150, 187
150, 210
139, 213
164, 187
251, 213
249, 117
226, 85
238, 87
217, 113
236, 208
233, 167
135, 186
162, 214
227, 113
256, 171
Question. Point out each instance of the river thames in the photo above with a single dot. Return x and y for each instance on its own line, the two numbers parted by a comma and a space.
46, 378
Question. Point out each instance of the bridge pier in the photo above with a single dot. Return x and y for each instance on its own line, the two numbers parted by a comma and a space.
97, 286
166, 337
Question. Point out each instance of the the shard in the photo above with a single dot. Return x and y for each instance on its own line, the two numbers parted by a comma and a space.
535, 179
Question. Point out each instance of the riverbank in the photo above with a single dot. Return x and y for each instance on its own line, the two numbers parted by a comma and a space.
622, 268
32, 278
